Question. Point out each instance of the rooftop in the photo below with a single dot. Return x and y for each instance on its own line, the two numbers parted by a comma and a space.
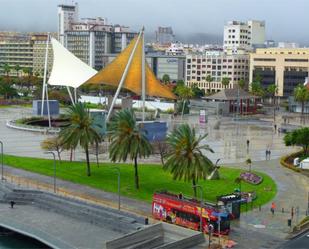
231, 94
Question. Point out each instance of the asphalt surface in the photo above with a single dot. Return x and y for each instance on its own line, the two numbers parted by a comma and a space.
301, 242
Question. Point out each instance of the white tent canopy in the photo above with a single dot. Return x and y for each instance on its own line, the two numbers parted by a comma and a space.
67, 69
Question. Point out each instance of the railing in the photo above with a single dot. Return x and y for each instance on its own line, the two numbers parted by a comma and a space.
12, 124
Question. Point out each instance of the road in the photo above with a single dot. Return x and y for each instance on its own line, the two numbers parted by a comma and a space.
301, 242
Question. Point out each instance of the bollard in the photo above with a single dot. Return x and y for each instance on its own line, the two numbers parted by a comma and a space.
260, 208
146, 221
282, 210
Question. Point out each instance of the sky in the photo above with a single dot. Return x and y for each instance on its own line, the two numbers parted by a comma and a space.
286, 20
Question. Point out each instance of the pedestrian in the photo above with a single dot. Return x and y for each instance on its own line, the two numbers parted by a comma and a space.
266, 154
12, 204
269, 152
273, 207
292, 212
275, 126
248, 143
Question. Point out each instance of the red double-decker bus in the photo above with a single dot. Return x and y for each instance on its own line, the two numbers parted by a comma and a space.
186, 212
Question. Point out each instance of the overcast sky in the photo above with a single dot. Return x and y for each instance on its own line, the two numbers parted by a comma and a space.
286, 20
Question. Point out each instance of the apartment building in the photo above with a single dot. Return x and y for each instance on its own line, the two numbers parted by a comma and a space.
285, 67
217, 64
243, 35
164, 35
25, 51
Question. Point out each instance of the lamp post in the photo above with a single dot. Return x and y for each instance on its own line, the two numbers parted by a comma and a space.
118, 173
51, 152
201, 222
2, 177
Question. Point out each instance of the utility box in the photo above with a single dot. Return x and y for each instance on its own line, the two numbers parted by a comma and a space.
53, 107
232, 203
304, 164
296, 161
99, 120
154, 131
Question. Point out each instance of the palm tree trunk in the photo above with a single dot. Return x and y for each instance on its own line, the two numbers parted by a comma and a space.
183, 108
136, 173
88, 162
194, 188
97, 153
59, 156
302, 110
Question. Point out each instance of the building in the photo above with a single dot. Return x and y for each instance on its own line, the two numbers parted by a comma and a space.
288, 45
217, 64
285, 67
90, 38
173, 66
244, 35
67, 14
26, 52
164, 35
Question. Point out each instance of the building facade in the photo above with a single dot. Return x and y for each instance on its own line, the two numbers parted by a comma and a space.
28, 52
243, 35
285, 67
173, 66
67, 14
164, 35
218, 65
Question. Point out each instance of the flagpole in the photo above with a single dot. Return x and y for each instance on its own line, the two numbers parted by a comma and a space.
45, 75
143, 76
124, 75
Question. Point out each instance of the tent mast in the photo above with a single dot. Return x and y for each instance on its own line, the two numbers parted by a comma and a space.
45, 75
143, 76
124, 75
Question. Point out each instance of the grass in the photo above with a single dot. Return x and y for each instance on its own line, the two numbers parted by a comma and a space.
152, 178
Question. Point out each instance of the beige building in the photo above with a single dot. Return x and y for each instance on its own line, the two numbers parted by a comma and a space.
285, 67
25, 51
218, 65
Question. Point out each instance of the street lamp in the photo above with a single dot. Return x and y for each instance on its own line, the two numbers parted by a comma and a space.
51, 152
2, 177
201, 223
118, 173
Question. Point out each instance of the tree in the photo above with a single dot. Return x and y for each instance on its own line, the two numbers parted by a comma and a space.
271, 91
128, 140
242, 83
185, 93
256, 89
166, 78
299, 137
238, 180
225, 81
209, 79
185, 159
7, 69
7, 90
249, 163
301, 95
197, 92
81, 131
53, 144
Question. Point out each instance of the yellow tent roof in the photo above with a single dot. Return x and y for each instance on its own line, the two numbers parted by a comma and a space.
112, 73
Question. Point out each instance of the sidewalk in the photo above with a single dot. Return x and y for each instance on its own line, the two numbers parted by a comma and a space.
36, 181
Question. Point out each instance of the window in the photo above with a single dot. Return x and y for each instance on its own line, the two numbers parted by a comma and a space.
264, 59
297, 60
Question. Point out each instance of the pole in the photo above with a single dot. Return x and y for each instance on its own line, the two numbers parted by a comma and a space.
48, 111
123, 77
201, 218
75, 94
70, 94
45, 75
2, 177
118, 173
51, 152
219, 228
143, 76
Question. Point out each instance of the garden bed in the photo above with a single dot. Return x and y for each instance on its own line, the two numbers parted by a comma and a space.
251, 178
288, 162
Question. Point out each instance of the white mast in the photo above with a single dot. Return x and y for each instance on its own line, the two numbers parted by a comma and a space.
143, 76
124, 75
45, 75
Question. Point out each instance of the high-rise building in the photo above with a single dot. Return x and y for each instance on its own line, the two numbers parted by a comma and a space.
218, 65
164, 35
244, 35
285, 67
67, 14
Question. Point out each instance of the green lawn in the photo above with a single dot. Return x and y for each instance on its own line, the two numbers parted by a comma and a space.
152, 178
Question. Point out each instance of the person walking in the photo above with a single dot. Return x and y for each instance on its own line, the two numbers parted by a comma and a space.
272, 208
269, 152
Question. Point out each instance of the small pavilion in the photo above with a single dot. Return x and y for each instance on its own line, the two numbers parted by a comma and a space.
247, 102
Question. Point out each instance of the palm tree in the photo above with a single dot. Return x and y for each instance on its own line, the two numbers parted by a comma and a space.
242, 83
301, 95
272, 90
185, 159
127, 140
209, 79
185, 93
7, 69
82, 130
225, 81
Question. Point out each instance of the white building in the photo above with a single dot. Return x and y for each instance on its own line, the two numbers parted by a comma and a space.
243, 35
218, 65
288, 45
67, 14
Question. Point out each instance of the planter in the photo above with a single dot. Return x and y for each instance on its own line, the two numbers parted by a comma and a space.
251, 178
